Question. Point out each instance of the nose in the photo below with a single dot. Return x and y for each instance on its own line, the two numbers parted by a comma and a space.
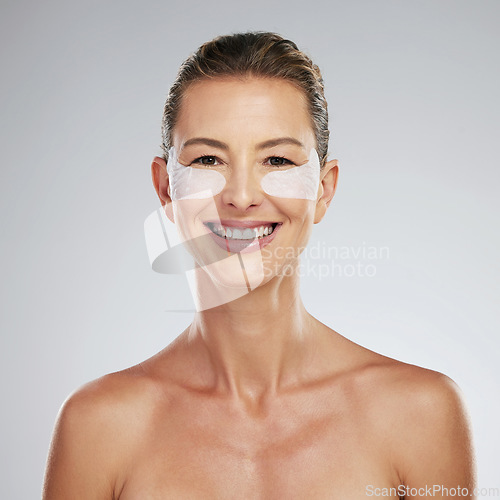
242, 189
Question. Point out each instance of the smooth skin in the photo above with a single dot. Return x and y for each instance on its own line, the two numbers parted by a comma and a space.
257, 399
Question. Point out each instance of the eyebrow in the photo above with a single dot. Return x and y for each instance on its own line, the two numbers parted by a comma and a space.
262, 145
280, 140
206, 142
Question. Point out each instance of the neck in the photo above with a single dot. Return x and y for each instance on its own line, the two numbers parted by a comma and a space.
258, 344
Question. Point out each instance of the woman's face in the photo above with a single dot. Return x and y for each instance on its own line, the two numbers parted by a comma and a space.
244, 129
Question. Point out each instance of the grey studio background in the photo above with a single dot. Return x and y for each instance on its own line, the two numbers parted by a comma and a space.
413, 95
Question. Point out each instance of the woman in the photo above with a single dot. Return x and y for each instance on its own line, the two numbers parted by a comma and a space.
256, 399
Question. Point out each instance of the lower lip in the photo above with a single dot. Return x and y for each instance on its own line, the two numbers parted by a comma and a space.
243, 246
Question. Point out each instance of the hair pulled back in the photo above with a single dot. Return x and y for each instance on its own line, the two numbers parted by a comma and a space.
257, 54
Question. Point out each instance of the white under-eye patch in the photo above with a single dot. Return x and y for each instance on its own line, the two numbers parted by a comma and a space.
188, 182
297, 182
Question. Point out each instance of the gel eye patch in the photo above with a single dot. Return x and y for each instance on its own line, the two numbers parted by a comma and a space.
296, 182
197, 183
187, 183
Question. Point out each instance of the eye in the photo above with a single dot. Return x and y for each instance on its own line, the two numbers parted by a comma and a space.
206, 160
279, 161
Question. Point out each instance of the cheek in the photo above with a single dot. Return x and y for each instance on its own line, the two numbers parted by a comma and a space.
299, 212
189, 213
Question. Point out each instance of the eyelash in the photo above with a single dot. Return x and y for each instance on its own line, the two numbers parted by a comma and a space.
287, 161
197, 160
200, 158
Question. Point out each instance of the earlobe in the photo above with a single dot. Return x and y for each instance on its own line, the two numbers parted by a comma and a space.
328, 186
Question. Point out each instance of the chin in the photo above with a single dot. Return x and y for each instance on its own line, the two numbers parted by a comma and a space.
236, 271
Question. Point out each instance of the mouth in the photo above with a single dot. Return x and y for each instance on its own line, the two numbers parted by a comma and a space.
244, 237
242, 232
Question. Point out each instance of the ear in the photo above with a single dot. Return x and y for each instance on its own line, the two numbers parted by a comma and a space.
327, 186
162, 186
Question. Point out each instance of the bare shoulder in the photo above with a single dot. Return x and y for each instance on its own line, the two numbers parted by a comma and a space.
417, 396
407, 395
112, 394
409, 387
396, 387
112, 399
96, 431
421, 417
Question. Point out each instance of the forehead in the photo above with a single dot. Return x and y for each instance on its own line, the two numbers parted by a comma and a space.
243, 110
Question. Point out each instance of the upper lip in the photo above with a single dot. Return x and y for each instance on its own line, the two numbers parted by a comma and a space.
241, 223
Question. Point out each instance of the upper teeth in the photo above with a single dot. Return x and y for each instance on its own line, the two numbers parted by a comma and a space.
242, 233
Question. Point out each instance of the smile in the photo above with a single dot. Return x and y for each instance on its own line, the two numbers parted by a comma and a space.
242, 233
242, 236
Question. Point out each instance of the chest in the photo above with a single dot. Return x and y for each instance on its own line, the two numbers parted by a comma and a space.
209, 453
